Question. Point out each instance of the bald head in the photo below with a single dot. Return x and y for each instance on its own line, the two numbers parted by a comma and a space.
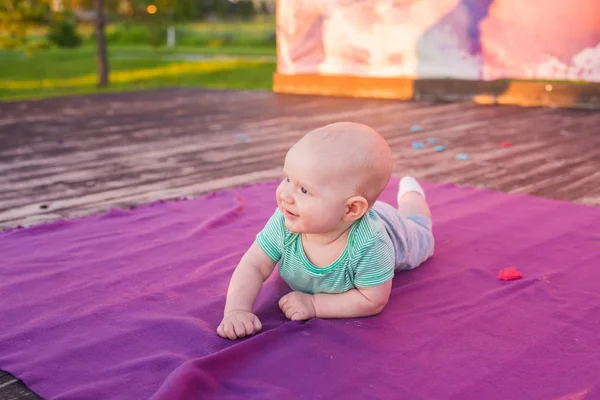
353, 154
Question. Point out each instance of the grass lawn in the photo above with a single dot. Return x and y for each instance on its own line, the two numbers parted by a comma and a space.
64, 72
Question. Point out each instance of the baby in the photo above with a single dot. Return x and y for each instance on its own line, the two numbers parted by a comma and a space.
337, 246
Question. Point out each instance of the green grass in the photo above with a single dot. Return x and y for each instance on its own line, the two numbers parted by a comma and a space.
205, 34
254, 33
226, 34
233, 50
197, 60
59, 72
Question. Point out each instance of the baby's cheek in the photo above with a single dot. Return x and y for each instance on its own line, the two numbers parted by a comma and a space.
317, 217
278, 194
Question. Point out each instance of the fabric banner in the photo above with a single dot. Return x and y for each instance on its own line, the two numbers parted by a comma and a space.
462, 39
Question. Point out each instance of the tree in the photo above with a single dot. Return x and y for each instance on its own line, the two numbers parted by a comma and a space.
17, 17
62, 30
101, 56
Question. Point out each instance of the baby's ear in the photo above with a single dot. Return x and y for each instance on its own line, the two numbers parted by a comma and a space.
356, 207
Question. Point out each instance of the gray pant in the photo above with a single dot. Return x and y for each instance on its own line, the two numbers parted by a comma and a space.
411, 235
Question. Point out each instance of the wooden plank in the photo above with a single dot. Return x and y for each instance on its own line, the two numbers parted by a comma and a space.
509, 92
12, 388
69, 157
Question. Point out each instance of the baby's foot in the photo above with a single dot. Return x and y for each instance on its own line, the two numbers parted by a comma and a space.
409, 184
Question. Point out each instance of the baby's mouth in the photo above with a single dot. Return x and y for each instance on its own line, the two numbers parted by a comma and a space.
289, 214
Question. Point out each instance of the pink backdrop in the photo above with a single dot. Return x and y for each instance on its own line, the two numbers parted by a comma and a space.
465, 39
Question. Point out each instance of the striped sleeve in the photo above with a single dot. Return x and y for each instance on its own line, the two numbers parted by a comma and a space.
270, 238
376, 265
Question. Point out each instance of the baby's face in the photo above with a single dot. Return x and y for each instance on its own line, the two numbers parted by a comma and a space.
311, 197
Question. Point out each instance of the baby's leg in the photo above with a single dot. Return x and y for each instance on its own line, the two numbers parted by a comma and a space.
411, 198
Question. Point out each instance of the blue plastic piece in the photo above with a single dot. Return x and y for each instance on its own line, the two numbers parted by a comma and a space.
415, 128
242, 137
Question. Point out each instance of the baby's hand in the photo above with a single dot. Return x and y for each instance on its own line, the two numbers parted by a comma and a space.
238, 324
298, 306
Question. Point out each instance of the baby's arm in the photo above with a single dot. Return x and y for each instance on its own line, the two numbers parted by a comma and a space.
359, 302
238, 320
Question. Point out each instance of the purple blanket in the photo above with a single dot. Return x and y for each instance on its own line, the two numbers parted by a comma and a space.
125, 305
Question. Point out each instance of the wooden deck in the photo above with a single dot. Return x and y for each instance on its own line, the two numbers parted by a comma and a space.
75, 156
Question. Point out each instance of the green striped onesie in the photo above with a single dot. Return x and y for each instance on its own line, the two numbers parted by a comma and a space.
367, 260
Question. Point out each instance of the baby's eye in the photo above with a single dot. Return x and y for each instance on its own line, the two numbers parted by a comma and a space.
287, 179
303, 190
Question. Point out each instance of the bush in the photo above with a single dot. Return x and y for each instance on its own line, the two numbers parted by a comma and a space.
63, 32
128, 34
219, 35
140, 32
33, 47
245, 9
157, 34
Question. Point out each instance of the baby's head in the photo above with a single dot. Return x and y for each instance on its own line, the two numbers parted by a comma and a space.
333, 175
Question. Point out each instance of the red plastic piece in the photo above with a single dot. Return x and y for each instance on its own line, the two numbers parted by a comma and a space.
508, 274
506, 144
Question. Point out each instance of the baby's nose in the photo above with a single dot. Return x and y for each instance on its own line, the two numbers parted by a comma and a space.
286, 197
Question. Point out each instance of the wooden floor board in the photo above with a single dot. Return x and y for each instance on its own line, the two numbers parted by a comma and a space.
81, 155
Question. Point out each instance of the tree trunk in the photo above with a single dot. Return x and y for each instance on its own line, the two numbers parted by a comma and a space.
101, 57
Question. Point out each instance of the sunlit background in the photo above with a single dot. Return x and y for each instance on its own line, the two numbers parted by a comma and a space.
48, 48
